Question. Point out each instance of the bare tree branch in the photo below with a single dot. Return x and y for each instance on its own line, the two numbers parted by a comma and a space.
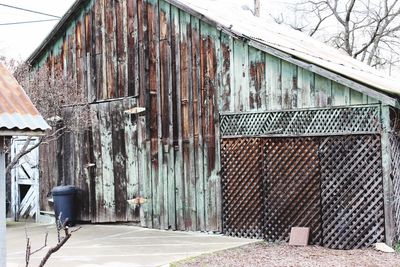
53, 94
61, 241
365, 28
61, 228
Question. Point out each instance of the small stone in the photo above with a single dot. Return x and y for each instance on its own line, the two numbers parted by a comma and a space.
384, 248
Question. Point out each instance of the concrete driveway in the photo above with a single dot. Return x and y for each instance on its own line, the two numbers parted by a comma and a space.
113, 245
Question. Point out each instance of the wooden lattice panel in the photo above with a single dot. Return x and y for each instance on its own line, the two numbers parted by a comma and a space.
395, 176
352, 192
292, 188
242, 187
340, 120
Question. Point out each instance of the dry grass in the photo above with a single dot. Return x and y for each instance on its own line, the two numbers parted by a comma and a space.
262, 254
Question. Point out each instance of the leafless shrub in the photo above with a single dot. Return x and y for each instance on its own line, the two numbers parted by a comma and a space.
63, 235
53, 93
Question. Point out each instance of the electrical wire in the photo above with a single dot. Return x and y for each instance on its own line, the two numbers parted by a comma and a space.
26, 22
31, 11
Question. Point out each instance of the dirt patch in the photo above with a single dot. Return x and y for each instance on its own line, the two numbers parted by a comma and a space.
262, 254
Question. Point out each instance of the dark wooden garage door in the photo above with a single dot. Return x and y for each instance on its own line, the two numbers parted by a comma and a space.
292, 187
351, 191
242, 163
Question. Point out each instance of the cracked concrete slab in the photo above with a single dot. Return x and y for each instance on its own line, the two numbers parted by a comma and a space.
114, 245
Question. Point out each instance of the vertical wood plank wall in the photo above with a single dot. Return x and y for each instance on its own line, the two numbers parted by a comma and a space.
148, 53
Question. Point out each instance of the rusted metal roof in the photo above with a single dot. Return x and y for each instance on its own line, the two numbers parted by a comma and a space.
16, 109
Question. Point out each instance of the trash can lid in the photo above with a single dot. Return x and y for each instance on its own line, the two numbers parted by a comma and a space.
63, 190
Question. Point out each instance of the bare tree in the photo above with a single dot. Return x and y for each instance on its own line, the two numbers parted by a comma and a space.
51, 92
63, 235
367, 30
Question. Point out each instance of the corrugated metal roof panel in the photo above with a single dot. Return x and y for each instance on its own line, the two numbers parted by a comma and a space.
16, 109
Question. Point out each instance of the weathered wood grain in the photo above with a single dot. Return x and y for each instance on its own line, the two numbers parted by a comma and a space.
97, 160
187, 121
105, 187
323, 91
143, 130
154, 91
84, 182
257, 97
240, 76
97, 50
121, 43
289, 85
130, 128
340, 95
165, 124
177, 126
119, 160
387, 181
357, 98
197, 126
274, 82
110, 50
184, 71
225, 97
204, 84
209, 126
216, 127
305, 85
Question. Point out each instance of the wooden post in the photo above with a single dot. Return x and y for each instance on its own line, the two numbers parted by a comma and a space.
387, 182
257, 8
2, 206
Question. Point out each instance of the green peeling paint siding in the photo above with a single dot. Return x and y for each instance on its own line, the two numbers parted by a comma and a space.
184, 72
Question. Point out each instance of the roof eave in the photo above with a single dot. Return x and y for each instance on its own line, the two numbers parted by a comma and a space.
71, 12
8, 132
385, 98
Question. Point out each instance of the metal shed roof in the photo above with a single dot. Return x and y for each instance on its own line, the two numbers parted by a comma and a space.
266, 31
17, 113
228, 17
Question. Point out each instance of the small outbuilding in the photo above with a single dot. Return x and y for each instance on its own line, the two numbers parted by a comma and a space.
18, 116
210, 119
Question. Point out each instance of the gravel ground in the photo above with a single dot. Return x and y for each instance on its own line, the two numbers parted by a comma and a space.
262, 254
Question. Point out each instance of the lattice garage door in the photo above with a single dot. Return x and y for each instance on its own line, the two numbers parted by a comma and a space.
326, 178
242, 163
352, 191
292, 187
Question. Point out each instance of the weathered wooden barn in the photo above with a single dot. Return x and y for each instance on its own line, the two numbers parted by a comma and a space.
249, 128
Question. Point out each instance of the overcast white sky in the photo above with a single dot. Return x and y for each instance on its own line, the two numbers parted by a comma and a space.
19, 41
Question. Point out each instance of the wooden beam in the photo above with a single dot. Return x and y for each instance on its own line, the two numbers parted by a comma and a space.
387, 182
2, 206
21, 133
385, 99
